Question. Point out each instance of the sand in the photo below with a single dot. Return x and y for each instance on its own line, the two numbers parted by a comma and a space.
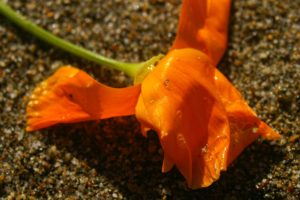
111, 159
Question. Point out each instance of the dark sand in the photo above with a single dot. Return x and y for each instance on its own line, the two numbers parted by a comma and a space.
111, 159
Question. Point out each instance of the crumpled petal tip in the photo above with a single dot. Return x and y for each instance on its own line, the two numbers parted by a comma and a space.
267, 132
29, 129
45, 96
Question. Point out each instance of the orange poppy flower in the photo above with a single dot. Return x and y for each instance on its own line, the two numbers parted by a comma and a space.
202, 121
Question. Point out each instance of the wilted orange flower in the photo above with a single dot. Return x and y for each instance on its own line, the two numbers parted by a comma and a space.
202, 121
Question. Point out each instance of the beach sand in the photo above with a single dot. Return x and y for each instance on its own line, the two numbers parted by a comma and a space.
111, 159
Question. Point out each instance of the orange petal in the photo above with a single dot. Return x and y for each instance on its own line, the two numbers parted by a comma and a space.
203, 25
180, 102
245, 126
71, 95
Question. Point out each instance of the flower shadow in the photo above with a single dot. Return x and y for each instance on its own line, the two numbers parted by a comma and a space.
131, 164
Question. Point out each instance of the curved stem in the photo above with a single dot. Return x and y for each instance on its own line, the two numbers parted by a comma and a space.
131, 69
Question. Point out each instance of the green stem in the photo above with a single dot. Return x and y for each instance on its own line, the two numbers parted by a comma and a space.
131, 69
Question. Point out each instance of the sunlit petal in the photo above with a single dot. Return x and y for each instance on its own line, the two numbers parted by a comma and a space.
203, 25
71, 95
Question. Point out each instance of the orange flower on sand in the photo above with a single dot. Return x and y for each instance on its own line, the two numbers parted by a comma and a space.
202, 121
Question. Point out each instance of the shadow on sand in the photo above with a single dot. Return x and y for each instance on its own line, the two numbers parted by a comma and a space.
132, 163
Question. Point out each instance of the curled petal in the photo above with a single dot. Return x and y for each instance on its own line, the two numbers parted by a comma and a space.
71, 95
178, 100
203, 25
245, 126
